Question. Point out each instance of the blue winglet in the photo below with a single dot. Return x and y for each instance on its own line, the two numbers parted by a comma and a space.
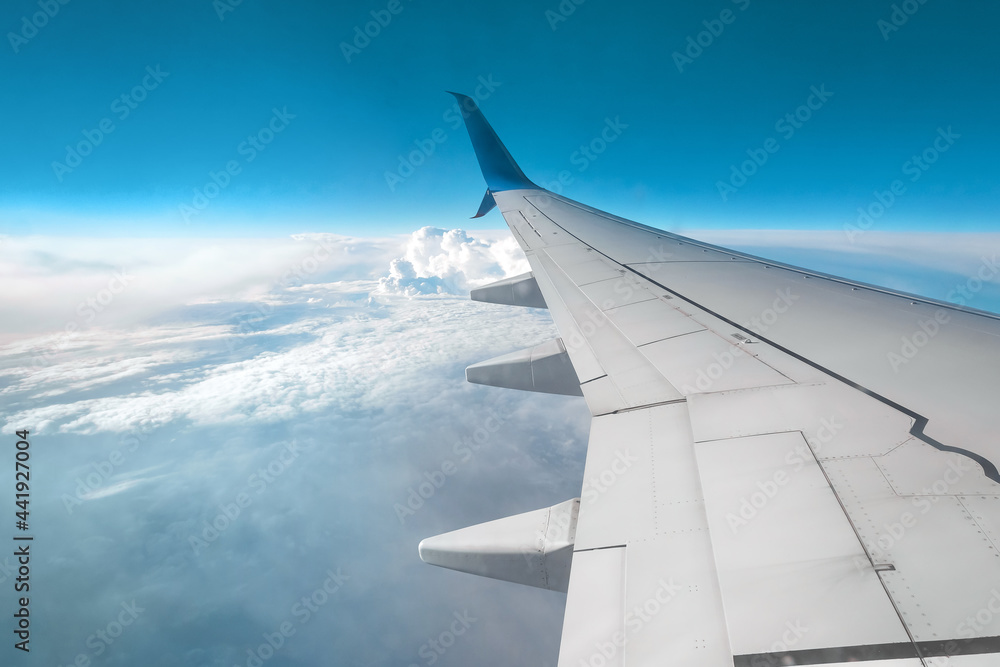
499, 169
489, 203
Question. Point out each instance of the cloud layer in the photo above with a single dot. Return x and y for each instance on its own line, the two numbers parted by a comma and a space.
242, 422
213, 456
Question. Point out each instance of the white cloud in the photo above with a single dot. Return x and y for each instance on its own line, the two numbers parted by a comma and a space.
70, 284
155, 420
306, 348
438, 261
956, 253
90, 372
157, 417
344, 357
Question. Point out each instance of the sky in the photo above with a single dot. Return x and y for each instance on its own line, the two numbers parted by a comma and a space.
236, 253
184, 89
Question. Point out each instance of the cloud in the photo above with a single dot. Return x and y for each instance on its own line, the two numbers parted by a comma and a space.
296, 348
302, 348
149, 425
74, 284
438, 261
950, 252
343, 358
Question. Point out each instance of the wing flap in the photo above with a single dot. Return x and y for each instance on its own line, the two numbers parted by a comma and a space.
944, 566
779, 534
642, 500
594, 625
596, 347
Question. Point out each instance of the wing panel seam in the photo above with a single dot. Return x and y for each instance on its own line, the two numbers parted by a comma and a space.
920, 422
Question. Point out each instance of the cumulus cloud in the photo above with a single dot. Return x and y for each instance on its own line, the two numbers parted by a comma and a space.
149, 424
438, 261
289, 345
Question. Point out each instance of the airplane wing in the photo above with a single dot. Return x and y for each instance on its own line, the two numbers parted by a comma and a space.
784, 467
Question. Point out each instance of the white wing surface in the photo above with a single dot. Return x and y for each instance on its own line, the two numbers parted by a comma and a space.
784, 467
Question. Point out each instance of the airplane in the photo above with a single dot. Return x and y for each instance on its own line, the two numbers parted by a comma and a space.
784, 467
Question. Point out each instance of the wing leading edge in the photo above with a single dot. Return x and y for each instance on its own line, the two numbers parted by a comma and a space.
772, 477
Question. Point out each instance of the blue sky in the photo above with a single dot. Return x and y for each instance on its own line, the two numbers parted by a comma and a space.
555, 83
290, 305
